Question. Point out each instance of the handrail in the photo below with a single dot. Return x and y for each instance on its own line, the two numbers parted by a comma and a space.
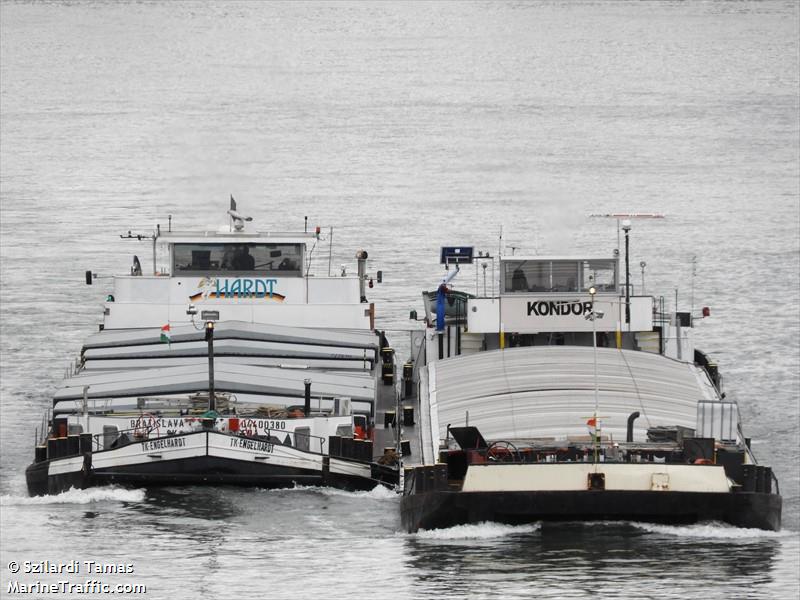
97, 441
294, 434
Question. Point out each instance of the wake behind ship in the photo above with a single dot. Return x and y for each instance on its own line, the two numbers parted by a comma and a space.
234, 361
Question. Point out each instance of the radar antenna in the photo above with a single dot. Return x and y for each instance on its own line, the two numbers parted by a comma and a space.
238, 220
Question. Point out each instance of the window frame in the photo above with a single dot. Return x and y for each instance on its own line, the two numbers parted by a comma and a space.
183, 263
542, 276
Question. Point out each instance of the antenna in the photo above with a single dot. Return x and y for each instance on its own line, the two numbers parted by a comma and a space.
643, 264
628, 216
330, 250
500, 243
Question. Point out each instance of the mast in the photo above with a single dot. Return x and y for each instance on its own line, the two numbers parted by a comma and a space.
212, 404
626, 227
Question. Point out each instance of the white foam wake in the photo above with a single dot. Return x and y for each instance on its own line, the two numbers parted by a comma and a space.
74, 496
379, 492
712, 530
478, 531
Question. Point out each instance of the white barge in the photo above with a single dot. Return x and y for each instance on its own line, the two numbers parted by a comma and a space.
569, 396
232, 362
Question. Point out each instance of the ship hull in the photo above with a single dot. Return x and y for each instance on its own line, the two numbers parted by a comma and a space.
203, 458
441, 509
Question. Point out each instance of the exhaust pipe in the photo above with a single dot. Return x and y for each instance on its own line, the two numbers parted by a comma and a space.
633, 416
361, 257
307, 405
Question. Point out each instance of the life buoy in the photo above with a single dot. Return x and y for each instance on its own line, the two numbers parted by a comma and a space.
703, 461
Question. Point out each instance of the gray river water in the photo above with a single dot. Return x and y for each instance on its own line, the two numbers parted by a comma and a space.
405, 127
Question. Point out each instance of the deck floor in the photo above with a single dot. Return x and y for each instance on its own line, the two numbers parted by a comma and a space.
386, 401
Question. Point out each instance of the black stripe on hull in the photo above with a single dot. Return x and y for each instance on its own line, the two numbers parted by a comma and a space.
435, 510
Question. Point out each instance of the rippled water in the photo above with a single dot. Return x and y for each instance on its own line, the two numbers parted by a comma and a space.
318, 542
407, 127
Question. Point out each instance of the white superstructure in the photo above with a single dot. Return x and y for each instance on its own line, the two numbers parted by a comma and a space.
251, 276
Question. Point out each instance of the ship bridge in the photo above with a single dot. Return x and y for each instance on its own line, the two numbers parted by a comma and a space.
550, 295
552, 301
235, 274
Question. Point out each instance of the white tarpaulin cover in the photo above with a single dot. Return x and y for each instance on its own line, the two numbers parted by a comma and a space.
536, 392
252, 360
239, 330
227, 378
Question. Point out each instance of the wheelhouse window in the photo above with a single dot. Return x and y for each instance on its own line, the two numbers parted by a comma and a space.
231, 259
559, 276
541, 276
600, 273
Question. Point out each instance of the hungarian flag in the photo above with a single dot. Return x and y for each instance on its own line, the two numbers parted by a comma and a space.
592, 425
165, 335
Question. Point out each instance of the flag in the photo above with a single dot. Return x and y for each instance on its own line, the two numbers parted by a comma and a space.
592, 425
165, 335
